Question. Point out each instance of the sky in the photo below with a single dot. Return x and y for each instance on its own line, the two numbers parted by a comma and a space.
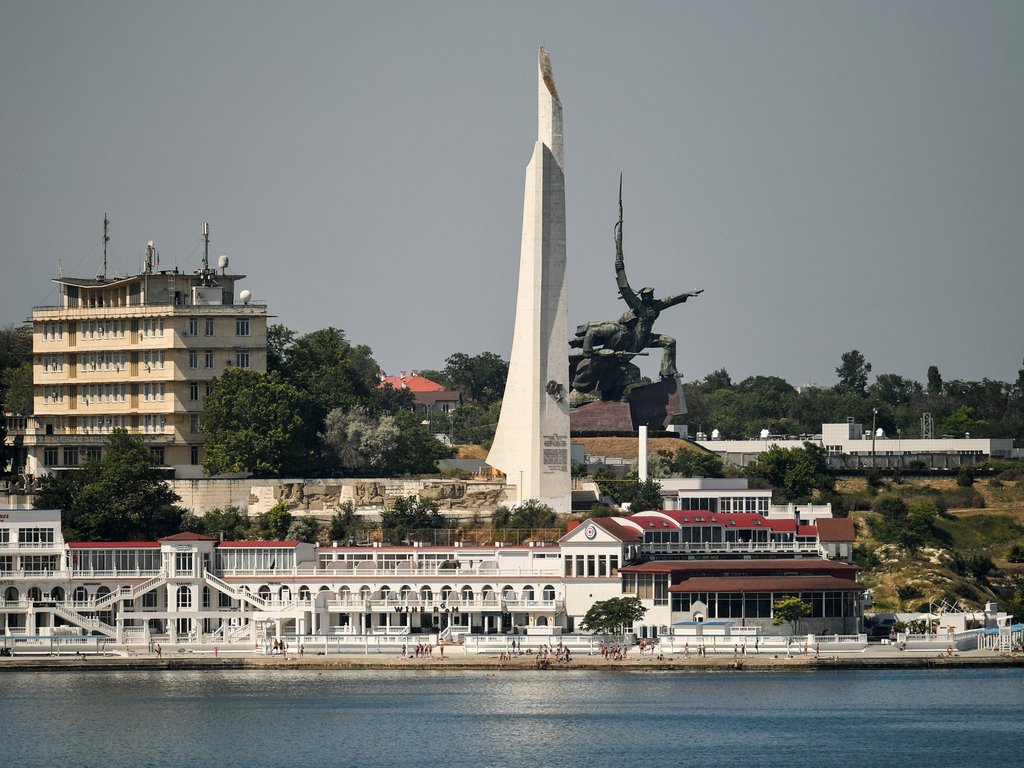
834, 175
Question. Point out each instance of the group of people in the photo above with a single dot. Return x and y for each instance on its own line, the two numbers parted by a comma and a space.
421, 651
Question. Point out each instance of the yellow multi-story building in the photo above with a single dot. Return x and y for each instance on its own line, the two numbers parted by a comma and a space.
137, 352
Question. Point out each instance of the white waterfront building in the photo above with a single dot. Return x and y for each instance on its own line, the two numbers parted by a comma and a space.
190, 588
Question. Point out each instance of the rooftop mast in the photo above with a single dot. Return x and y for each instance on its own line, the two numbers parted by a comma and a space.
106, 239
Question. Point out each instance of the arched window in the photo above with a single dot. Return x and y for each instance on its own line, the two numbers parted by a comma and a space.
80, 595
206, 597
467, 593
264, 592
549, 592
35, 593
542, 621
446, 592
57, 594
405, 592
184, 597
304, 593
427, 594
102, 591
527, 592
345, 594
487, 593
285, 592
11, 593
385, 592
364, 592
508, 593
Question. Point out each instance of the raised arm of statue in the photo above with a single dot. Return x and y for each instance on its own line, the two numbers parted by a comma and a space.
679, 298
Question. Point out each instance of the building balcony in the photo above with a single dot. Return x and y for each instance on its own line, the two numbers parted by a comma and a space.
730, 548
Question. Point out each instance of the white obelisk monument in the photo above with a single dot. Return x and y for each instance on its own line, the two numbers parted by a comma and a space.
531, 445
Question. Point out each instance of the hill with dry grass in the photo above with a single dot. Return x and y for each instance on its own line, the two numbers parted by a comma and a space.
964, 558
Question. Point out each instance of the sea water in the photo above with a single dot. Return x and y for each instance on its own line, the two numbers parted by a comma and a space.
252, 719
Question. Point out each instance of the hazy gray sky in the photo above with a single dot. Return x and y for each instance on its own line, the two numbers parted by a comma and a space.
834, 175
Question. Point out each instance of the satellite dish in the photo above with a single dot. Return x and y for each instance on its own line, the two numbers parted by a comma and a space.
879, 432
764, 434
715, 434
244, 295
222, 262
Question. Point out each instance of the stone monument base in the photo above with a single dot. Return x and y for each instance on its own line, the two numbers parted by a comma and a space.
649, 405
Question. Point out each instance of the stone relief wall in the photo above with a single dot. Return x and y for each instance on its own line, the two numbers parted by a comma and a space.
370, 496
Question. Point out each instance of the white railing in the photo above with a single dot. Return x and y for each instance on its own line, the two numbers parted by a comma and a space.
731, 547
438, 605
329, 570
239, 594
88, 622
92, 573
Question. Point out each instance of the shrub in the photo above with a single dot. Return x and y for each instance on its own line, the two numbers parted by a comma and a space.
907, 591
1016, 554
963, 497
965, 477
974, 565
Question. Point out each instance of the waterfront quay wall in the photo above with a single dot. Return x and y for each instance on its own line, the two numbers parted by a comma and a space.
457, 498
207, 663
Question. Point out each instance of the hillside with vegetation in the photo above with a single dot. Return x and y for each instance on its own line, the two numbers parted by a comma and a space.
926, 541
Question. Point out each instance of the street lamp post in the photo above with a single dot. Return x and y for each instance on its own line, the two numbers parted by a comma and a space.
874, 417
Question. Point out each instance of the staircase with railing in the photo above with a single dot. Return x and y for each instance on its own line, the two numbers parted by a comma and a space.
90, 623
129, 593
238, 594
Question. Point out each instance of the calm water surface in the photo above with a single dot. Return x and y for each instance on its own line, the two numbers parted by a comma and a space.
928, 718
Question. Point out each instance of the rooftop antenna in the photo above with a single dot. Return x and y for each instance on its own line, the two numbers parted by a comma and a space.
149, 258
106, 239
205, 273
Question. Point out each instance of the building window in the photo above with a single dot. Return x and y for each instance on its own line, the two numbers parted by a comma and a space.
92, 454
195, 455
209, 388
209, 326
242, 358
193, 358
71, 457
209, 358
158, 456
184, 595
193, 390
193, 327
50, 457
241, 326
193, 423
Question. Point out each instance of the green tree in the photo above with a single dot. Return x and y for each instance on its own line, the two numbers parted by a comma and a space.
408, 517
852, 372
904, 526
398, 444
934, 380
794, 473
331, 371
231, 523
305, 529
480, 378
613, 616
688, 462
344, 523
532, 514
960, 422
120, 497
255, 422
16, 385
273, 524
279, 339
790, 610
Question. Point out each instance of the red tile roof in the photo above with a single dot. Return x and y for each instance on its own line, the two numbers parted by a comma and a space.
188, 537
113, 544
836, 529
414, 383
